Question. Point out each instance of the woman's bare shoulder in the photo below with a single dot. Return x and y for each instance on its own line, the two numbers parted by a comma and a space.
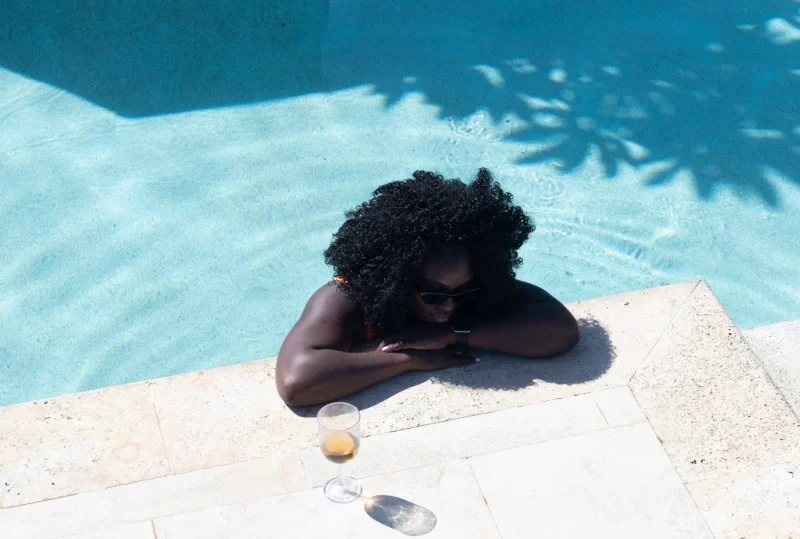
329, 301
329, 320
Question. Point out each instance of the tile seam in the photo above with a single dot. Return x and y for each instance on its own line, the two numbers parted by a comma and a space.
161, 435
602, 414
684, 483
663, 332
483, 495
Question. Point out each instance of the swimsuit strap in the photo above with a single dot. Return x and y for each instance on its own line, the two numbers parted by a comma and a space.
369, 332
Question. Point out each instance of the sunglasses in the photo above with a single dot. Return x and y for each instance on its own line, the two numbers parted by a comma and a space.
437, 298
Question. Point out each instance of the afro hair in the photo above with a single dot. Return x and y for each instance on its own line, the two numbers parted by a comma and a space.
380, 249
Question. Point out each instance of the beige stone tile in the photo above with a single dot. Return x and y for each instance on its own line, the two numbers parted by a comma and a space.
231, 414
447, 490
412, 400
709, 399
225, 415
140, 530
614, 483
406, 401
617, 334
146, 500
463, 437
763, 503
619, 406
77, 443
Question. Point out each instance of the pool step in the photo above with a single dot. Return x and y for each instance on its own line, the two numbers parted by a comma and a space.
778, 347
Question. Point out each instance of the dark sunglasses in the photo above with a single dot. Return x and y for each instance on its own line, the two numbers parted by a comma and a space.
437, 298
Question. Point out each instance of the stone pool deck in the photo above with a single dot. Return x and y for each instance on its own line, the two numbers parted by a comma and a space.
662, 423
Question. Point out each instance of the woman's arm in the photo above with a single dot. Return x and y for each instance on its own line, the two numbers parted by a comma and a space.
536, 325
315, 364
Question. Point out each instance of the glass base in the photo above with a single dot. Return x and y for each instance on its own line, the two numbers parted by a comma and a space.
342, 489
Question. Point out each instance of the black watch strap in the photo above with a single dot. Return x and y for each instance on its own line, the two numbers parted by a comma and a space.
462, 337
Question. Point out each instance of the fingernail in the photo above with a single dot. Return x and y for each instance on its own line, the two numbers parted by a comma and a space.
477, 360
385, 349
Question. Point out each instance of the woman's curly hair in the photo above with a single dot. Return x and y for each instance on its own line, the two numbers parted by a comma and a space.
380, 249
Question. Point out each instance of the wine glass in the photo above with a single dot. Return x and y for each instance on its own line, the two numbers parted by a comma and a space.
339, 438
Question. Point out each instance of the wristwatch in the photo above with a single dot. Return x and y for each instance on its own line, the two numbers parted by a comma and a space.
462, 337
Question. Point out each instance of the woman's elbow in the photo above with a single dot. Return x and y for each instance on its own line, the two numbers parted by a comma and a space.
564, 335
570, 333
573, 334
288, 390
290, 384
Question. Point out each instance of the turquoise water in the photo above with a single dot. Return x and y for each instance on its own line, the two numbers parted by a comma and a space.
167, 193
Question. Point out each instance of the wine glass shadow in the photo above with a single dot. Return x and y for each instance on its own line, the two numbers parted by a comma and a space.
398, 514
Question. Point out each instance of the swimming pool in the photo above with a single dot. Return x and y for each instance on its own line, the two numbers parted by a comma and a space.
167, 193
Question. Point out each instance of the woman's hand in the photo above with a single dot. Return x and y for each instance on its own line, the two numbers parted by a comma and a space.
427, 337
432, 360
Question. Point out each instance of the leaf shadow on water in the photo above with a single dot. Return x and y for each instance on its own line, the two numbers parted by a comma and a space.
682, 88
587, 361
400, 515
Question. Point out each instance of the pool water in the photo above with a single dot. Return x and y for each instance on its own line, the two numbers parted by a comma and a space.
167, 193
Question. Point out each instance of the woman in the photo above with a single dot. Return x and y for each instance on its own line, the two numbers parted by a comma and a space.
424, 277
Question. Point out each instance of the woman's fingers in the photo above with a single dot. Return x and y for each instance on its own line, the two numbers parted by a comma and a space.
402, 341
393, 346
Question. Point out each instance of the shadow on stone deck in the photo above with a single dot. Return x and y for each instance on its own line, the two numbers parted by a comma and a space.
588, 361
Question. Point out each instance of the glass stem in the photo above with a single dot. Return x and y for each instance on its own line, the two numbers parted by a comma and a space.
341, 472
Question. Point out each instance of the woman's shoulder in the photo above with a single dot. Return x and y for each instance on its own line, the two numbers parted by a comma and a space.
332, 299
330, 305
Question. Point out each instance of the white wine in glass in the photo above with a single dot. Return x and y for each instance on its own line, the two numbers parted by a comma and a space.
339, 438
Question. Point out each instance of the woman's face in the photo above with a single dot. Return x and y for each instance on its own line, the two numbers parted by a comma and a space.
449, 271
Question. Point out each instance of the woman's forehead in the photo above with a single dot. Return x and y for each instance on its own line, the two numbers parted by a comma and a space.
450, 269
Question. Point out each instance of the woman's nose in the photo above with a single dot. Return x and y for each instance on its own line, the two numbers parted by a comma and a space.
448, 305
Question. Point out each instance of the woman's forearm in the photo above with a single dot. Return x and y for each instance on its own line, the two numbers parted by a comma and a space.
542, 330
318, 376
